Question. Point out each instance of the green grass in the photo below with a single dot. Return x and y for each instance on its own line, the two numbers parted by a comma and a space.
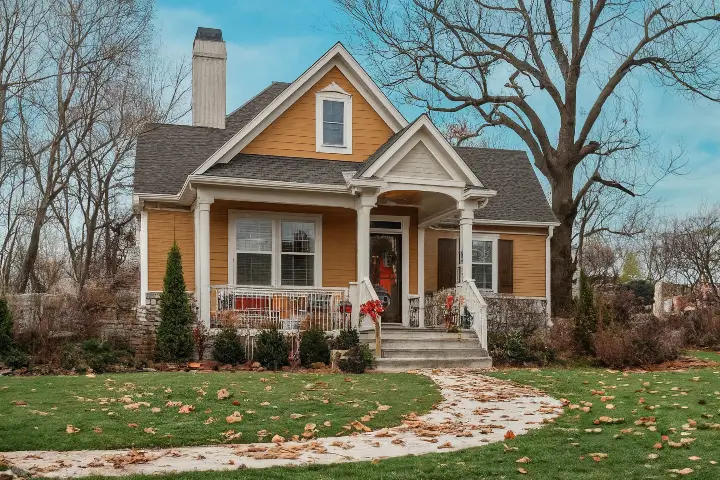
560, 450
705, 355
93, 403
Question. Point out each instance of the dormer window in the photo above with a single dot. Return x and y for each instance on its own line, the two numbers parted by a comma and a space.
333, 120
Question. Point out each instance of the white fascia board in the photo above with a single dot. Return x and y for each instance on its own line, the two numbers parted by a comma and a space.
303, 83
424, 121
474, 193
249, 182
518, 223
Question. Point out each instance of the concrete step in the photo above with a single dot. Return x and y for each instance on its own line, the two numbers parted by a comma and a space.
426, 343
432, 353
404, 364
417, 334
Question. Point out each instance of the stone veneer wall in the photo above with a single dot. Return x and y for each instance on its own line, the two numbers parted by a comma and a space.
115, 315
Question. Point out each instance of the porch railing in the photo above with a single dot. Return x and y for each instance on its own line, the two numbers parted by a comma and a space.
476, 306
284, 309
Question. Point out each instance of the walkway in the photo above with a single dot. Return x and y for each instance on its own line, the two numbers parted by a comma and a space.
477, 410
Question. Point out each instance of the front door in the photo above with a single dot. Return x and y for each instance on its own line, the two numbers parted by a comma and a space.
386, 273
447, 263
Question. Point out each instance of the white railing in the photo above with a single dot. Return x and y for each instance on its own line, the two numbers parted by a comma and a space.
281, 308
476, 307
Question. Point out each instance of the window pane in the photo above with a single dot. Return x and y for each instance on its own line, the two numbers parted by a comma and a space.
254, 268
253, 235
482, 274
481, 251
298, 237
298, 270
333, 111
332, 133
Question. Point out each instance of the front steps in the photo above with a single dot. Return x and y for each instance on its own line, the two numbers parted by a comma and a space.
405, 348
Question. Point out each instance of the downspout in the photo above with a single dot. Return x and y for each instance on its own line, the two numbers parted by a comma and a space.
548, 275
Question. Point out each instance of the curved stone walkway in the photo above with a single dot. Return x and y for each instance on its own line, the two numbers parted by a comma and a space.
476, 410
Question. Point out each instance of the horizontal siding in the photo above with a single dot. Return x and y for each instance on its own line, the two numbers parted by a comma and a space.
338, 240
292, 134
164, 226
528, 264
528, 257
419, 163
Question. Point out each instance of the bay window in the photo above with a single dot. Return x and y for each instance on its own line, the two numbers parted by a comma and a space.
278, 250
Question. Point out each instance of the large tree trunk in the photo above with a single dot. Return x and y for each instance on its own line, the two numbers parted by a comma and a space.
561, 259
33, 248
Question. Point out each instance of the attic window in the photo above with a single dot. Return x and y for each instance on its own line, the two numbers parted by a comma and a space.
333, 124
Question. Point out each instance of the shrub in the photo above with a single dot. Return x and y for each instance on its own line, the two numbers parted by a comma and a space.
586, 315
643, 289
174, 334
345, 340
357, 360
228, 347
314, 347
201, 338
701, 327
15, 358
272, 349
644, 340
6, 333
95, 354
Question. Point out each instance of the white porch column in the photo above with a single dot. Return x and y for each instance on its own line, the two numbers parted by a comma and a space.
202, 259
466, 225
363, 205
421, 276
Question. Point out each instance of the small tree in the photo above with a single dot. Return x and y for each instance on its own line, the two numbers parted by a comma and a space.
6, 338
174, 335
586, 314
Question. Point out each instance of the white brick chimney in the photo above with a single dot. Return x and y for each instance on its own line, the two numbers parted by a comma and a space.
208, 78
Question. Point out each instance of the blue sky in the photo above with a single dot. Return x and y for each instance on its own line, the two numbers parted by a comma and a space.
278, 39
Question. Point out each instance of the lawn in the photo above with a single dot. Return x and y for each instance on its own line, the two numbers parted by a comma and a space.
685, 404
144, 410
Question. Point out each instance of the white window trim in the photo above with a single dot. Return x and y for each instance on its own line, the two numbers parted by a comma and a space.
276, 218
335, 96
494, 239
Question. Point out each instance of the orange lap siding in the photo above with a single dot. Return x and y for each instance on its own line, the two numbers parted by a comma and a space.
164, 226
338, 239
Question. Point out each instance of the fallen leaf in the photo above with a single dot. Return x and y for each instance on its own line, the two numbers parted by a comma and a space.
683, 471
523, 460
185, 409
509, 435
222, 394
522, 470
71, 429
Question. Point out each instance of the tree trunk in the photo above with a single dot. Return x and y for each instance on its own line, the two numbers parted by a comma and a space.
33, 248
561, 259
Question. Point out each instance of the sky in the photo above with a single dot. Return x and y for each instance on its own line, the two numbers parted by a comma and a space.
276, 40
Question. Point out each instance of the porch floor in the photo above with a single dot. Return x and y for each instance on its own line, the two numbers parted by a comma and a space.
407, 348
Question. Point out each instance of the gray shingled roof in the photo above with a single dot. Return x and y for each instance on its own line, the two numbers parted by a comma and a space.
520, 196
167, 154
284, 169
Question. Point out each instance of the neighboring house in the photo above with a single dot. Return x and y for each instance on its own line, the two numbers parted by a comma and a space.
318, 194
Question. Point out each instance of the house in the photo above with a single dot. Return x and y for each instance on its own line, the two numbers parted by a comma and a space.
318, 195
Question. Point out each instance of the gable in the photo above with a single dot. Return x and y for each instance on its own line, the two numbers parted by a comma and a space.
292, 134
419, 162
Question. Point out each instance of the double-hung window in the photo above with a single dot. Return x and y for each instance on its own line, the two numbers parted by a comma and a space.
333, 122
275, 250
484, 263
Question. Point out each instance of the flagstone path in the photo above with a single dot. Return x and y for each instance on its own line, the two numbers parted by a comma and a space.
476, 410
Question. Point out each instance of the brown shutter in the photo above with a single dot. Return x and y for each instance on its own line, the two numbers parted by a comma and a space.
505, 266
447, 263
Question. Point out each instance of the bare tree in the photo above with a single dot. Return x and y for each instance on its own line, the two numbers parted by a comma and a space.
557, 74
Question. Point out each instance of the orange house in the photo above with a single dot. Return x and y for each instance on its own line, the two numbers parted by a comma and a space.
318, 195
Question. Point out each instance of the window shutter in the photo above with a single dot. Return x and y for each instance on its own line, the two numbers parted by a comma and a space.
505, 266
